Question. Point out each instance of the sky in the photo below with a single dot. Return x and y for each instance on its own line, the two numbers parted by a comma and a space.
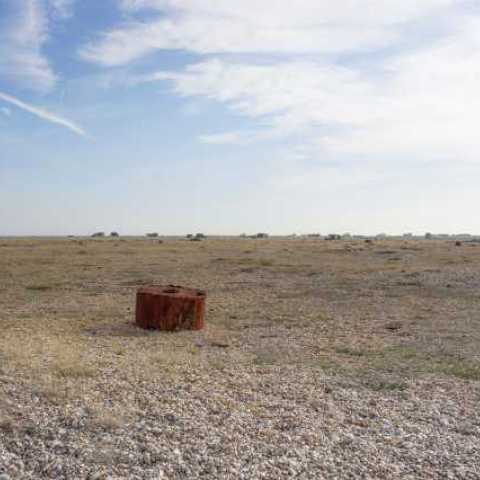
226, 117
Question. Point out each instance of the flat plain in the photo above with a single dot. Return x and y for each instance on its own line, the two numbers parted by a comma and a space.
320, 359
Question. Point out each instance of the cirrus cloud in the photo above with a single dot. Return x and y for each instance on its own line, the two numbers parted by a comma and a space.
357, 79
272, 26
24, 32
43, 114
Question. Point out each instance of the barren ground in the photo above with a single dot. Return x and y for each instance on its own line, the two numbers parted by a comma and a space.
319, 360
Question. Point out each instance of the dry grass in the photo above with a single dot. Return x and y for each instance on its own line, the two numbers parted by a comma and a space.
106, 419
6, 423
397, 308
68, 368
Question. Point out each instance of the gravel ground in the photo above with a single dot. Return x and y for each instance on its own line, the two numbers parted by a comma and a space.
249, 424
327, 362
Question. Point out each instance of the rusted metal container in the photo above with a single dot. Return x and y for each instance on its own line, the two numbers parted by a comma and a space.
170, 308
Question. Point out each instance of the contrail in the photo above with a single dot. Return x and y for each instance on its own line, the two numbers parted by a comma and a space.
44, 114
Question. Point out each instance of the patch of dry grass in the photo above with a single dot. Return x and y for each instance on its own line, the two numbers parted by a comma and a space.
6, 423
169, 358
106, 419
70, 367
53, 389
253, 262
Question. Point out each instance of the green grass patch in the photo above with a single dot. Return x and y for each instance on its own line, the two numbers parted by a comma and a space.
410, 360
329, 366
460, 368
352, 352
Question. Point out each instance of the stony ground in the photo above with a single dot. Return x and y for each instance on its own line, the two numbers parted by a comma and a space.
320, 360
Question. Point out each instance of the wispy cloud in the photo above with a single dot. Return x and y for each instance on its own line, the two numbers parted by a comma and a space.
24, 32
44, 114
422, 107
273, 26
222, 138
62, 8
240, 137
22, 37
323, 74
5, 111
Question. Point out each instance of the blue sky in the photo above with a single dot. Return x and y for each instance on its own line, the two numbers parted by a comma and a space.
228, 117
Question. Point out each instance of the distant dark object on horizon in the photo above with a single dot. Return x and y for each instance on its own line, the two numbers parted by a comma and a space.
98, 234
152, 235
197, 238
114, 234
257, 235
333, 236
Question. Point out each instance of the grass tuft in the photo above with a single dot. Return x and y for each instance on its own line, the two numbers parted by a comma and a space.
352, 352
39, 288
6, 423
383, 386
